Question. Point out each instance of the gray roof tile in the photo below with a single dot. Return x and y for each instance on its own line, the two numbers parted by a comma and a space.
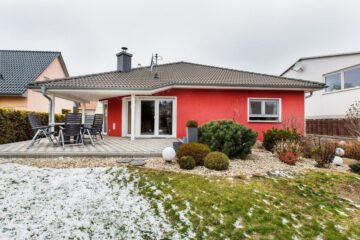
19, 68
179, 73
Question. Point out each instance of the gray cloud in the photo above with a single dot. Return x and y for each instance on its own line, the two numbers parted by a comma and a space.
262, 36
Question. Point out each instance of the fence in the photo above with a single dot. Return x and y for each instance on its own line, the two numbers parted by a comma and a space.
330, 127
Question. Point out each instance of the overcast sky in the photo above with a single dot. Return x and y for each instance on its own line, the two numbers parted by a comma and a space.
262, 36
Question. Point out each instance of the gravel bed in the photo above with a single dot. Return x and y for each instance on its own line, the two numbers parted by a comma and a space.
259, 163
63, 162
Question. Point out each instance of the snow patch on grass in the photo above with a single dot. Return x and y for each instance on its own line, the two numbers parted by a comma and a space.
81, 203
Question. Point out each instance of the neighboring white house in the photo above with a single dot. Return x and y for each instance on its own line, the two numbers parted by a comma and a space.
340, 72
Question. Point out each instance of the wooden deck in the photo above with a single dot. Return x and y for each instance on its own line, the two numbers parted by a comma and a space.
112, 147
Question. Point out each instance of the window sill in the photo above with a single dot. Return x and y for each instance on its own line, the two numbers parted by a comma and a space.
263, 121
342, 90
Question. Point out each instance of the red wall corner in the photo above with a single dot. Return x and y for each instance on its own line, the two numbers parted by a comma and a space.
114, 116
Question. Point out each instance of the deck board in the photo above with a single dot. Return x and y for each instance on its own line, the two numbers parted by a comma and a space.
112, 146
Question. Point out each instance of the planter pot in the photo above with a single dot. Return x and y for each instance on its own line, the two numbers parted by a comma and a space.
176, 145
192, 134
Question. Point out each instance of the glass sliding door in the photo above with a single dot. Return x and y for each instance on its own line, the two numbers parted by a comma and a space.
165, 117
147, 120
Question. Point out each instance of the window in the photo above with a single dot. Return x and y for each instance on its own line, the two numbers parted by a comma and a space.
352, 78
264, 110
333, 82
343, 79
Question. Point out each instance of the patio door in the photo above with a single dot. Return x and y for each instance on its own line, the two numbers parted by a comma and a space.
147, 117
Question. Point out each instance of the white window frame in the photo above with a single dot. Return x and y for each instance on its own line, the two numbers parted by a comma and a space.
263, 109
342, 79
138, 100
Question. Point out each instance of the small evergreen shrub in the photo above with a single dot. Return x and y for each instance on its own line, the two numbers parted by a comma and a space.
288, 151
186, 162
217, 161
192, 124
324, 153
228, 137
274, 135
196, 150
355, 168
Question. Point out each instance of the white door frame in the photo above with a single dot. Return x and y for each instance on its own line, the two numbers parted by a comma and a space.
138, 100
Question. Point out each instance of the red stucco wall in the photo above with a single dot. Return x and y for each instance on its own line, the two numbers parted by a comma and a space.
207, 105
114, 116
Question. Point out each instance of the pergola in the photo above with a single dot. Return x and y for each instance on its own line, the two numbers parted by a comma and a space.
85, 95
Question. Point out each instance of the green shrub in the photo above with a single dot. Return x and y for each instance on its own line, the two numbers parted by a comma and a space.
324, 153
355, 167
217, 161
192, 124
274, 135
196, 150
228, 137
186, 162
15, 126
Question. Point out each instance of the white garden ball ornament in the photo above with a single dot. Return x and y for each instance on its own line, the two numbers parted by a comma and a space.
338, 161
339, 152
168, 154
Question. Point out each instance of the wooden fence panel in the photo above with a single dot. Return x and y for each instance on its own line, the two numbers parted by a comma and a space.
330, 127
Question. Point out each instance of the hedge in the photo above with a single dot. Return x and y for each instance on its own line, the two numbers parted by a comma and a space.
15, 126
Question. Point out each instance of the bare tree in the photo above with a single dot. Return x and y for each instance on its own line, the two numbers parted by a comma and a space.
353, 119
292, 122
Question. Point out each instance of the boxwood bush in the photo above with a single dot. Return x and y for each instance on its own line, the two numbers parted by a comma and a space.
186, 162
228, 137
196, 150
274, 135
15, 125
217, 161
355, 167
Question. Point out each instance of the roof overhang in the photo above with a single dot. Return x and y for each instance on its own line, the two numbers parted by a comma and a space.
93, 94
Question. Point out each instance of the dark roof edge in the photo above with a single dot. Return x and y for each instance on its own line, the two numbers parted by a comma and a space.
319, 56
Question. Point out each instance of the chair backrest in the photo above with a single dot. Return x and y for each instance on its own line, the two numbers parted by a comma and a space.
34, 120
89, 119
98, 123
72, 124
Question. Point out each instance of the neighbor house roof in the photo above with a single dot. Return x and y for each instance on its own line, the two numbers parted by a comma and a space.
176, 74
320, 56
19, 68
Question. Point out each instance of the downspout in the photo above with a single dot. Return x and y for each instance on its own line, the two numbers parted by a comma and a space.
306, 97
43, 91
309, 96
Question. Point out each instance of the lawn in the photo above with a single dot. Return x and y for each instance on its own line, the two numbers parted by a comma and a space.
138, 203
304, 207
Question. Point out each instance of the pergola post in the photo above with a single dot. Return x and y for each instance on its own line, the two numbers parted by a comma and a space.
132, 117
83, 111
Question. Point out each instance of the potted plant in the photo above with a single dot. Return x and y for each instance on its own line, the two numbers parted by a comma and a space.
192, 131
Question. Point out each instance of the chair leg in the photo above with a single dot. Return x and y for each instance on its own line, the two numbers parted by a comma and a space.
91, 138
33, 139
81, 138
62, 139
102, 138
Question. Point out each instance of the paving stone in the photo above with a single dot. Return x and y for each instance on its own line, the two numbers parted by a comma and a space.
124, 160
138, 162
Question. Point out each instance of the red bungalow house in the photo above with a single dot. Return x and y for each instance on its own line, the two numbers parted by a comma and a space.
159, 101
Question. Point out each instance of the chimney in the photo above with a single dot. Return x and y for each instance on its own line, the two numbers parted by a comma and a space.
124, 60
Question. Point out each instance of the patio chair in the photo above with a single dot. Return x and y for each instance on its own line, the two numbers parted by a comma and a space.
89, 120
71, 129
95, 128
40, 131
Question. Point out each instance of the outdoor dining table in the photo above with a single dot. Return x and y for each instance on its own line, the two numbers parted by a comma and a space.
61, 124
